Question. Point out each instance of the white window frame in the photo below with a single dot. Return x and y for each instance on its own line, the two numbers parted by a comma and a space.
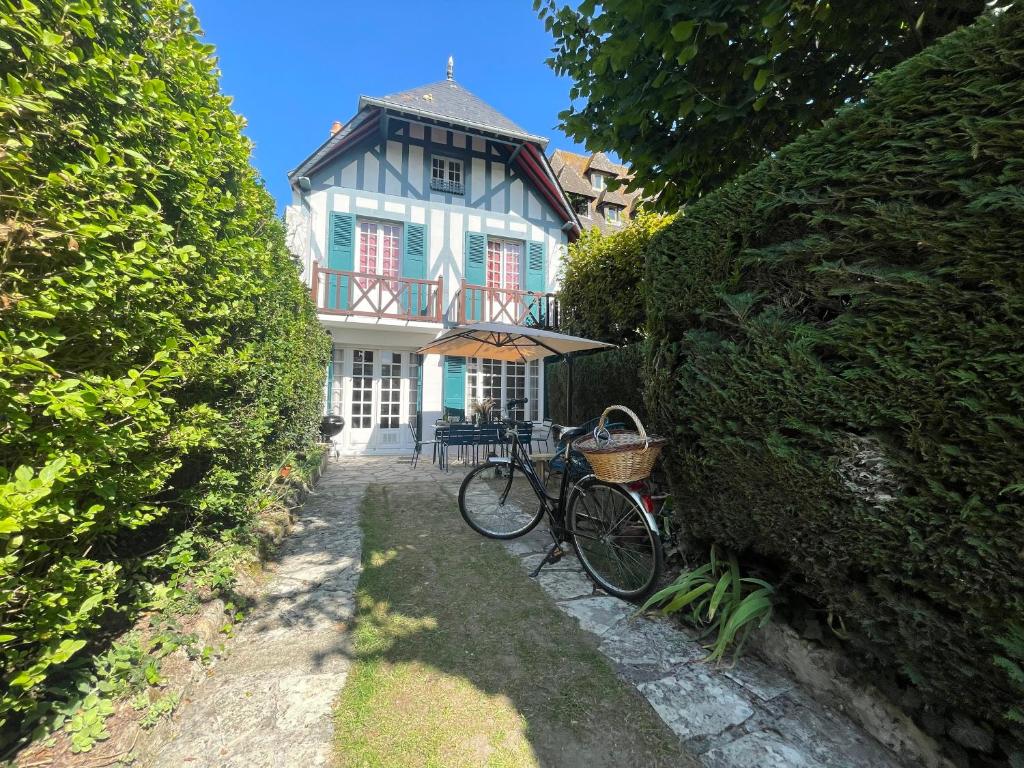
446, 174
598, 180
616, 210
477, 368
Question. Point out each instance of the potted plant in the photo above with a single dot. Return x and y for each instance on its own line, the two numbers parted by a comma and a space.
481, 410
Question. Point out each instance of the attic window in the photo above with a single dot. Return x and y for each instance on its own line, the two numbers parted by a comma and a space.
597, 180
446, 175
580, 204
613, 214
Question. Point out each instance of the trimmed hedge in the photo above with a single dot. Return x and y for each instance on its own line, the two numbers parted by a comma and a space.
613, 377
600, 294
837, 347
158, 353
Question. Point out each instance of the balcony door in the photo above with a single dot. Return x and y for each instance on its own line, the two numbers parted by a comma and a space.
378, 254
504, 261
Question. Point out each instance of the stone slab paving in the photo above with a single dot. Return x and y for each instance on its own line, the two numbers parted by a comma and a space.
248, 713
268, 703
747, 716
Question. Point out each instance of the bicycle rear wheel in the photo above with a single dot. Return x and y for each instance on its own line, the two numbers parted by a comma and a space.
613, 539
497, 501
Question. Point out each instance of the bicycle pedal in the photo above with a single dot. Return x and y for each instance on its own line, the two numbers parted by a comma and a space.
555, 555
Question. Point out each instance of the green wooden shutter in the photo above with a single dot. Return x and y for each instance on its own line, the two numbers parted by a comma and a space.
536, 281
330, 380
341, 235
475, 272
415, 297
454, 386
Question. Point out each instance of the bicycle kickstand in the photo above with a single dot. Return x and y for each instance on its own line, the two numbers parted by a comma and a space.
554, 554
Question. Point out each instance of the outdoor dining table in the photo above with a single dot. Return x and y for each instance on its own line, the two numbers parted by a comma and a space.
469, 435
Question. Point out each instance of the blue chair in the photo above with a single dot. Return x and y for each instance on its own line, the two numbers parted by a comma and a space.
462, 436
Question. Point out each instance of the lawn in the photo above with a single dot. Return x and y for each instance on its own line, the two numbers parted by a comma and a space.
461, 660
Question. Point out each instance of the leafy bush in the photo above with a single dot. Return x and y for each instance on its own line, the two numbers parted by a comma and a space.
158, 353
835, 349
612, 377
721, 601
600, 294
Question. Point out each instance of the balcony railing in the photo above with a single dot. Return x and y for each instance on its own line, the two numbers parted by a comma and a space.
359, 294
478, 303
452, 187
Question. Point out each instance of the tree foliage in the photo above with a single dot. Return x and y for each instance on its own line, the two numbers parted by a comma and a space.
158, 352
692, 93
835, 352
600, 283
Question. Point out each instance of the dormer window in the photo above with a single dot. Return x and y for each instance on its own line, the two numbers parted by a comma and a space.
446, 175
580, 204
613, 214
597, 180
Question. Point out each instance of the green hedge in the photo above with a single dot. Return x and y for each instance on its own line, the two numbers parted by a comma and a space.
158, 352
836, 347
600, 282
614, 377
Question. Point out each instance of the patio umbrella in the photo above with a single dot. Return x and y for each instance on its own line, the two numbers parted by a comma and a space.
516, 343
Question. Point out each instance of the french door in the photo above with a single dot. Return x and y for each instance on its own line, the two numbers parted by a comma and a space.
503, 261
379, 392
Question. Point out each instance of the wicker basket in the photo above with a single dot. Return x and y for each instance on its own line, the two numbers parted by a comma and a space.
619, 455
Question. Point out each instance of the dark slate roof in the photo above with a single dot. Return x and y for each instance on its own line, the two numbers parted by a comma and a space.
449, 101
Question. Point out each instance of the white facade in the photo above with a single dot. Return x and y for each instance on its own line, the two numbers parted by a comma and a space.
383, 183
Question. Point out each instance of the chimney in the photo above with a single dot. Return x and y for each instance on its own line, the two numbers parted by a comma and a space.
335, 127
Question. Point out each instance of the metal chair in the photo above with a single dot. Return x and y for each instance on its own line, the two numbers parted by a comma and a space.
462, 436
418, 445
541, 433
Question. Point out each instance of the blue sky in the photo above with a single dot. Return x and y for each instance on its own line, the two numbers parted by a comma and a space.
294, 67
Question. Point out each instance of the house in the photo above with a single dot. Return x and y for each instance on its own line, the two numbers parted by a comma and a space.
585, 181
428, 208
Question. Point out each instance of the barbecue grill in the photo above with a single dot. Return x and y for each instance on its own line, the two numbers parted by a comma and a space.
330, 426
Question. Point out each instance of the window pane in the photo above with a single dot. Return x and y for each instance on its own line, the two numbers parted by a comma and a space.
390, 249
368, 247
494, 264
512, 255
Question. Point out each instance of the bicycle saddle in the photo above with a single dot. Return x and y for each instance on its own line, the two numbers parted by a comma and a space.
569, 433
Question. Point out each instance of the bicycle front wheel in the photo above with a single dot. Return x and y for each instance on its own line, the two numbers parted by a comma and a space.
613, 539
497, 501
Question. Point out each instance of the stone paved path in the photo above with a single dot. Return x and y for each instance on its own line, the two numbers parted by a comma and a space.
749, 716
269, 703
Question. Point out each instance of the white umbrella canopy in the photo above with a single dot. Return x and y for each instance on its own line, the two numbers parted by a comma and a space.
500, 341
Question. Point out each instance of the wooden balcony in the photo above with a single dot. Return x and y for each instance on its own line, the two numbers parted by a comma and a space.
359, 294
480, 304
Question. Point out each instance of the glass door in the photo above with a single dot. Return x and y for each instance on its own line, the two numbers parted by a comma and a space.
389, 418
362, 398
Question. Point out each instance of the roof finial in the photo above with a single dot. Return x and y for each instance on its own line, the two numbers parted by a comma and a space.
451, 67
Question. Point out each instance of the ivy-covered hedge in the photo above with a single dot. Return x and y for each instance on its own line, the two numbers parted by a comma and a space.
612, 377
158, 353
837, 347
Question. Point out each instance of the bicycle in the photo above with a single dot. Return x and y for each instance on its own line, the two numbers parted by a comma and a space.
612, 527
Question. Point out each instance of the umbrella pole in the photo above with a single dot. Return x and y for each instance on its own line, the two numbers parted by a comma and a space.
568, 387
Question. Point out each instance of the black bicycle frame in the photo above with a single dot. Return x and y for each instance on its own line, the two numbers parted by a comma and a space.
554, 506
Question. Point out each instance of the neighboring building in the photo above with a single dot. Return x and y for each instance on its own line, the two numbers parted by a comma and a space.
585, 181
428, 208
